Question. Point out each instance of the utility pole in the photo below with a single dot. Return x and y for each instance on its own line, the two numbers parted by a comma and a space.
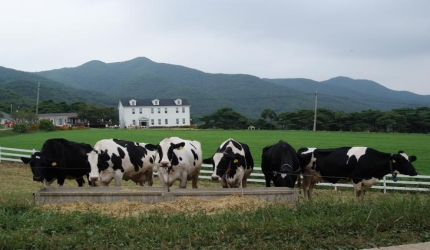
315, 111
37, 101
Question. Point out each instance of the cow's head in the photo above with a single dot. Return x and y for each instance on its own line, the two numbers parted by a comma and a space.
225, 164
402, 163
166, 155
99, 161
40, 165
286, 177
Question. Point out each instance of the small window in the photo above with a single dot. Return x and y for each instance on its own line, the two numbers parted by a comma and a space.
177, 121
177, 110
183, 120
152, 121
159, 110
140, 110
165, 110
134, 122
152, 110
132, 111
183, 109
159, 121
166, 121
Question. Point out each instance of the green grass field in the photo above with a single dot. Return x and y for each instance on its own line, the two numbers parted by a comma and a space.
332, 220
412, 144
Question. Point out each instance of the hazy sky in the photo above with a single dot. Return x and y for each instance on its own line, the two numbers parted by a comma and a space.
387, 41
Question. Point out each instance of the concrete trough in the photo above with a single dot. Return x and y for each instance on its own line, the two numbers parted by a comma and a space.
56, 195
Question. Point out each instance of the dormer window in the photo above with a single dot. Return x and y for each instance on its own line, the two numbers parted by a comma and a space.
132, 102
155, 102
178, 101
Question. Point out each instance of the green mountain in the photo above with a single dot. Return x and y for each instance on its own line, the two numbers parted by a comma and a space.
105, 83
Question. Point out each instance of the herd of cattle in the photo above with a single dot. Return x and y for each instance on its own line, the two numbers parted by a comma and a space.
178, 159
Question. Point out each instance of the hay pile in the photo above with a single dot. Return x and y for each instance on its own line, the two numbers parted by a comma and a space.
185, 205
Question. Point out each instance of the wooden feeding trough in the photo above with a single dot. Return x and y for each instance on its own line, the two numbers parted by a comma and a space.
55, 195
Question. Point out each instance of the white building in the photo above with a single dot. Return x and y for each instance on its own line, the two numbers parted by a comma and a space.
154, 113
63, 119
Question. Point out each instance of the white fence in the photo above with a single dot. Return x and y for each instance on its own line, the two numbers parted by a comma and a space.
419, 183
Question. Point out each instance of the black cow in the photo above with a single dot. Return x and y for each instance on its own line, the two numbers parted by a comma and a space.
361, 165
232, 164
280, 164
60, 159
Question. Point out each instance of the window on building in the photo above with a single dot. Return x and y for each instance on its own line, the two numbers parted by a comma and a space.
177, 121
159, 110
132, 111
140, 110
183, 120
177, 110
152, 121
159, 121
165, 110
183, 109
152, 110
134, 122
166, 121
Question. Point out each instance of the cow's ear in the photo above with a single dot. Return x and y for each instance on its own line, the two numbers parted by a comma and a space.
151, 147
180, 146
26, 160
412, 158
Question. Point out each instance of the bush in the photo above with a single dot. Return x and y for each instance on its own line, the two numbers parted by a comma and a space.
20, 128
46, 125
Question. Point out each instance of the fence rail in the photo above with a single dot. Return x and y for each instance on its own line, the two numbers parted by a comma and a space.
419, 183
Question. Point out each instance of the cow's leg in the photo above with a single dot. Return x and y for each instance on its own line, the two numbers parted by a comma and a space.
183, 183
358, 191
150, 178
268, 179
195, 180
46, 183
60, 181
80, 181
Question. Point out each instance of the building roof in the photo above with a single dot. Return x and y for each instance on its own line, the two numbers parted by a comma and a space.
5, 115
148, 102
68, 115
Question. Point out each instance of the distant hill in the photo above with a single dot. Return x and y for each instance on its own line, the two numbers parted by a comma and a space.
105, 83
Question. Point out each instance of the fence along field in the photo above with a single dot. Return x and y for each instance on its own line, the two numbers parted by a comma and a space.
419, 183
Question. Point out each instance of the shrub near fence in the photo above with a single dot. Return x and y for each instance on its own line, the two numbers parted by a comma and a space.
419, 183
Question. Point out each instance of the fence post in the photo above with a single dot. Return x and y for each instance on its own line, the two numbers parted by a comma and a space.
0, 153
385, 184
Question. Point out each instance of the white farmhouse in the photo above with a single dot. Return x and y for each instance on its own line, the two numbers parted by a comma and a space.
154, 113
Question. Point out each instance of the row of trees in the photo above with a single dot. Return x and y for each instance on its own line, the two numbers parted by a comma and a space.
403, 120
92, 113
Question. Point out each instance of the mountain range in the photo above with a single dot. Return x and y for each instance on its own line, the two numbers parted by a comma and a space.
104, 84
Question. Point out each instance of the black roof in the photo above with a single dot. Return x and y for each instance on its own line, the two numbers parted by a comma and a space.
148, 102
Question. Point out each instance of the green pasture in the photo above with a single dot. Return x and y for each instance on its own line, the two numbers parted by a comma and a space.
412, 144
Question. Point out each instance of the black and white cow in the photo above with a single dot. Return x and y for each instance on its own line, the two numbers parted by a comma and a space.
280, 165
178, 159
232, 164
114, 159
362, 166
60, 159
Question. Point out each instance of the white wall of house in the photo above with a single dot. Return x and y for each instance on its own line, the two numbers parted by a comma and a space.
155, 114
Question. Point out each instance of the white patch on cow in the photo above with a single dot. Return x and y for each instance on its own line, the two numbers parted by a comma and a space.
216, 158
405, 156
284, 175
37, 157
310, 150
357, 152
236, 180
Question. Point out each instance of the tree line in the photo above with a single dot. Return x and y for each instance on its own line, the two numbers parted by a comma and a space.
402, 120
94, 114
